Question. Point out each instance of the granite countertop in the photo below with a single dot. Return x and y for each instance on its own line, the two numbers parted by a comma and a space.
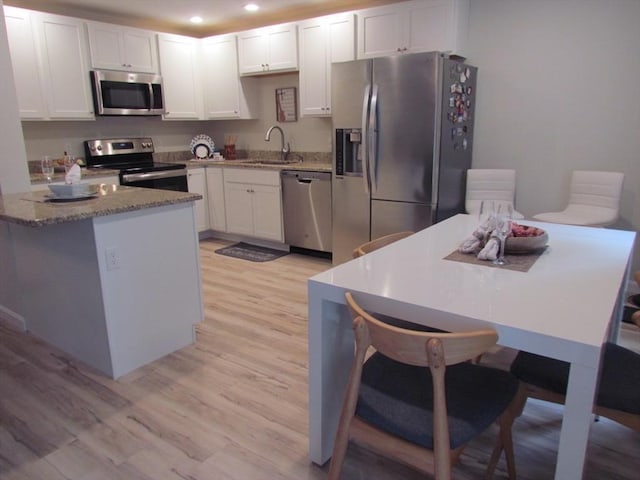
58, 176
34, 209
260, 164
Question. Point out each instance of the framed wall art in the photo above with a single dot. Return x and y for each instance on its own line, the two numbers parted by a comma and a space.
286, 108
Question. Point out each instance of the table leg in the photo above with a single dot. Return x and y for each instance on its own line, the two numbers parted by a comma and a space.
330, 356
576, 422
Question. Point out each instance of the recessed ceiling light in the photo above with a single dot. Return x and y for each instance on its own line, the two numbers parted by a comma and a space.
251, 7
195, 19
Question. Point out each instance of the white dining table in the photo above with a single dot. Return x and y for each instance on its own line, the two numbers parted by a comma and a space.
565, 307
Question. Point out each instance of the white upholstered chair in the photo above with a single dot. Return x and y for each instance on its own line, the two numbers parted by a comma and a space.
594, 200
490, 185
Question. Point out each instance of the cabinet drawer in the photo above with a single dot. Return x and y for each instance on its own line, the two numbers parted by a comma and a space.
253, 176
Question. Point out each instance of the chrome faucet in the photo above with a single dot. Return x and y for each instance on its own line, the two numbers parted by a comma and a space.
284, 150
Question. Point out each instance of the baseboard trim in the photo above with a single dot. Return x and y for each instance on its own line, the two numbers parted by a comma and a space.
12, 319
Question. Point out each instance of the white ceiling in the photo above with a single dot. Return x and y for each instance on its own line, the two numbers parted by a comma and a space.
173, 16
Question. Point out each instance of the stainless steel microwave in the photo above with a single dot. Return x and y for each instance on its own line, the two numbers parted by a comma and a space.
124, 93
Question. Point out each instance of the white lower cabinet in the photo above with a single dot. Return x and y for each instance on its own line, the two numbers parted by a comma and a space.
215, 198
197, 183
253, 202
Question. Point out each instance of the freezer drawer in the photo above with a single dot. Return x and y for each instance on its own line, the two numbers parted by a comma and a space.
306, 203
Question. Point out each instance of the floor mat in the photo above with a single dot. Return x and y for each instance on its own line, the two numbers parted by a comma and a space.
252, 253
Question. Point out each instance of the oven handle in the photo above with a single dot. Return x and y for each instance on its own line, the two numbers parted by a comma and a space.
136, 177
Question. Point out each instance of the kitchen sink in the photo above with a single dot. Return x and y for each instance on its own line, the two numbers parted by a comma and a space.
271, 162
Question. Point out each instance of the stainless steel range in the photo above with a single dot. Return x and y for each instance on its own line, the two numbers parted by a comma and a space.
134, 158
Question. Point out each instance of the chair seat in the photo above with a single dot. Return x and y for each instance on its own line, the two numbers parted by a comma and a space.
619, 376
388, 399
587, 215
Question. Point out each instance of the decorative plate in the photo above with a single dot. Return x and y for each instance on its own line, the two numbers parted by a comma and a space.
202, 146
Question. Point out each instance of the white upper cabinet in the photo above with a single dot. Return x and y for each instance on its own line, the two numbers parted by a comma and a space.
64, 66
120, 48
323, 41
50, 65
416, 26
226, 94
24, 59
268, 50
182, 87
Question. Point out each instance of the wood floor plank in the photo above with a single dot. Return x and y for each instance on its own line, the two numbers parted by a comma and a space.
233, 406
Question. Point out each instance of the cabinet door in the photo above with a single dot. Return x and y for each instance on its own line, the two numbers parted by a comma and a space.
380, 31
252, 52
105, 46
239, 208
65, 67
117, 48
226, 94
215, 197
197, 183
141, 54
314, 69
181, 81
268, 49
24, 60
267, 212
323, 41
434, 25
282, 42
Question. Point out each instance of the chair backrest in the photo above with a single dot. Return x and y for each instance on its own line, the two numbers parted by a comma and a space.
411, 347
596, 188
379, 243
484, 184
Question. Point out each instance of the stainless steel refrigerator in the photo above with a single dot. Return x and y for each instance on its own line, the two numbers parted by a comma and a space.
403, 136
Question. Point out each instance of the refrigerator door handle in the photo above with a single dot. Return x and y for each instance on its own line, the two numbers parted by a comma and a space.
372, 138
365, 135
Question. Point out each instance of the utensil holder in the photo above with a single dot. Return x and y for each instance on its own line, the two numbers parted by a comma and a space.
230, 152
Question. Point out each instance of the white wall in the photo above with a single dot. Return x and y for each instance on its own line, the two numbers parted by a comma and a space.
13, 178
13, 166
305, 135
557, 91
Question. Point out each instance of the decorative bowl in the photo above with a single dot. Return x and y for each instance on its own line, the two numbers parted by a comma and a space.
526, 244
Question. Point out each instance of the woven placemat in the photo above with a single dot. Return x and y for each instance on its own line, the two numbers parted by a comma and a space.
517, 263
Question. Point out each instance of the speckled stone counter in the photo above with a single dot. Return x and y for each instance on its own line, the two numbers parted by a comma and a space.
36, 210
261, 164
262, 159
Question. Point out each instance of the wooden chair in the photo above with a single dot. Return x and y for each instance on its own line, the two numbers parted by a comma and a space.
399, 403
618, 396
379, 243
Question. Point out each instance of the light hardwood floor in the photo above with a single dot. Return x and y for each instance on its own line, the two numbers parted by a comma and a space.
231, 407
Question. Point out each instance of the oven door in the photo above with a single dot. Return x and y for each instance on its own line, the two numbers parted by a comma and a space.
164, 180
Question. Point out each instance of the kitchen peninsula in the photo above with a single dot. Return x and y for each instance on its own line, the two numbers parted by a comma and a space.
113, 280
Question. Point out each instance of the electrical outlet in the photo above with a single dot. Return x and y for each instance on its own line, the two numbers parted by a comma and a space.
113, 258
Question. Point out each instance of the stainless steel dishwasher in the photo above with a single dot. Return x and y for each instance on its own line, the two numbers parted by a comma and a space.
306, 200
